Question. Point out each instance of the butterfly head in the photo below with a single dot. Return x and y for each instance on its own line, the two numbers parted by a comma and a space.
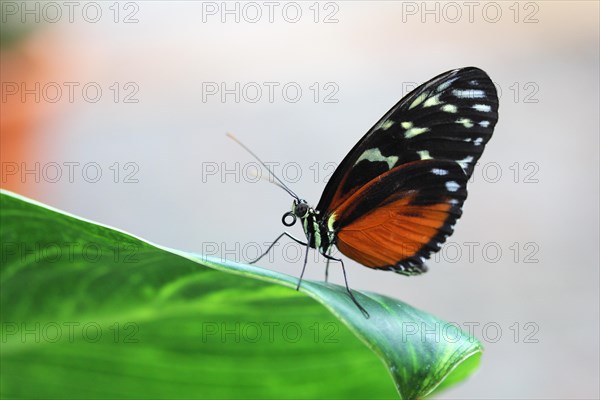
300, 209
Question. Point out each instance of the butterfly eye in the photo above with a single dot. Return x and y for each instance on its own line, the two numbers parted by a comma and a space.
300, 210
286, 221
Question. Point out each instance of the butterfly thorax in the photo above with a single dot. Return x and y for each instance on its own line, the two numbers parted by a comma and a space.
318, 234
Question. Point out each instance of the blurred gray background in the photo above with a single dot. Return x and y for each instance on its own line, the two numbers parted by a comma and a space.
521, 269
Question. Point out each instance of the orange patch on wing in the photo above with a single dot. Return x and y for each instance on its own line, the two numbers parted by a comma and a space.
392, 233
344, 201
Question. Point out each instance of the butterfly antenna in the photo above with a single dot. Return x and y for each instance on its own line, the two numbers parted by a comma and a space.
279, 181
262, 178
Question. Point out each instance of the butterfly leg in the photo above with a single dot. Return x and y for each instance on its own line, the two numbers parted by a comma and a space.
273, 244
361, 308
327, 266
305, 261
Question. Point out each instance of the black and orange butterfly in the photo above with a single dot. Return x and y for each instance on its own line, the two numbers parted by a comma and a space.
396, 196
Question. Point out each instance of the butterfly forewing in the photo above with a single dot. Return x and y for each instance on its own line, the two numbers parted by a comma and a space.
450, 117
396, 196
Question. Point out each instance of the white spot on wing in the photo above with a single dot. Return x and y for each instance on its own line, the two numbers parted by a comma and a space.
465, 162
412, 132
331, 221
484, 124
469, 94
439, 171
418, 100
467, 123
482, 107
432, 101
406, 125
452, 186
387, 124
478, 141
375, 155
449, 108
446, 84
424, 155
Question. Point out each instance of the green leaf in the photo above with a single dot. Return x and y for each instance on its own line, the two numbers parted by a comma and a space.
88, 311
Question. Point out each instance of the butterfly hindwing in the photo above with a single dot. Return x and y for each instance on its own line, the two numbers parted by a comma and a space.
450, 117
398, 219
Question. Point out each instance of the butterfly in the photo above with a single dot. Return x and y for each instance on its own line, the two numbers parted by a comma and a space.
394, 199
